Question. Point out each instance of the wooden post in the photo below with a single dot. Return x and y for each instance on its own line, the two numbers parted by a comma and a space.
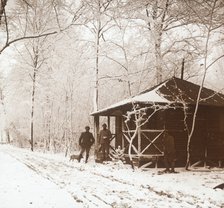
206, 155
139, 137
96, 133
118, 131
108, 122
182, 69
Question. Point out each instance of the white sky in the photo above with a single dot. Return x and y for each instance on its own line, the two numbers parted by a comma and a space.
7, 61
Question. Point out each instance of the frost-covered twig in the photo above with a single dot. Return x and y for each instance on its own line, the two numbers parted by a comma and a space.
141, 117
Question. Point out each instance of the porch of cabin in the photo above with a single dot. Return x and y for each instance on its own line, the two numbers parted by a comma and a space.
147, 148
147, 145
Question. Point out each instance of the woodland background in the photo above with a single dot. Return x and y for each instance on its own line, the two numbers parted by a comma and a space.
62, 60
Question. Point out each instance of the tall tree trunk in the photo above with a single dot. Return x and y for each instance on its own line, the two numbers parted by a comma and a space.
158, 60
35, 67
32, 110
206, 66
71, 116
49, 127
96, 87
67, 138
2, 9
6, 127
155, 24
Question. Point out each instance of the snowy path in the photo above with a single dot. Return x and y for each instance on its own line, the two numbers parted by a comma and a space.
97, 185
22, 188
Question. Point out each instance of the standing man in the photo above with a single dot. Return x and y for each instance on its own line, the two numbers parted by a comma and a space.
86, 140
104, 138
169, 153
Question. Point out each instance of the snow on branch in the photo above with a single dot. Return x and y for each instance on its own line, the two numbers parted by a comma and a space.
140, 116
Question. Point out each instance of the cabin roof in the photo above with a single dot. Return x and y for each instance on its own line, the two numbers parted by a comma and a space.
173, 90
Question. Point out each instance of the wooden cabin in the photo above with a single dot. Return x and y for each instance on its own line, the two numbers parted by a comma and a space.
168, 106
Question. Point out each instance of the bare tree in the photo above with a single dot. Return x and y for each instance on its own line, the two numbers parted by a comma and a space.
212, 22
140, 116
169, 24
33, 22
38, 18
2, 9
125, 66
99, 22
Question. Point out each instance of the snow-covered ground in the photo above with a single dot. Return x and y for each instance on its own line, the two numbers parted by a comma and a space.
37, 180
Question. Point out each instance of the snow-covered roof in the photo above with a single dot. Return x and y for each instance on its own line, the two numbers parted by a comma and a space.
173, 90
152, 96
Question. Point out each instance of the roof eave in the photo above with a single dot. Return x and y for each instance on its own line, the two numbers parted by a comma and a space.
103, 111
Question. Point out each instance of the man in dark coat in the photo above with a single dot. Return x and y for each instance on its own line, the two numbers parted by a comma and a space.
86, 140
104, 138
169, 153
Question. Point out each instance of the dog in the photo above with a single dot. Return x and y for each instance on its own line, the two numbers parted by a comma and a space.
220, 186
74, 157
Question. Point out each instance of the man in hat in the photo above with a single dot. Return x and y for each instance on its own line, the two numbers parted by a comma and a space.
104, 139
86, 140
169, 153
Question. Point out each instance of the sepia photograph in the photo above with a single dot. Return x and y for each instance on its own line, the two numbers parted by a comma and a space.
111, 103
